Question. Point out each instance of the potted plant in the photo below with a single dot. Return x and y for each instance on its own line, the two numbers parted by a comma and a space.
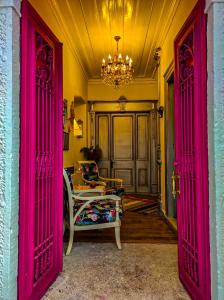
91, 153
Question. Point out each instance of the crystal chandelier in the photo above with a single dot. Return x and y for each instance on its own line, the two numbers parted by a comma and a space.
117, 72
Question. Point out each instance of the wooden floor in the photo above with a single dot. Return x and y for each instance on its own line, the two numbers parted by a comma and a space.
135, 228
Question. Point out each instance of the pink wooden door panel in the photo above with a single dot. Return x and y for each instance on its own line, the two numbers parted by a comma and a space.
40, 218
191, 162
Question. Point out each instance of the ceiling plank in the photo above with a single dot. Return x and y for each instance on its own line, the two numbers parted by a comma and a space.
92, 24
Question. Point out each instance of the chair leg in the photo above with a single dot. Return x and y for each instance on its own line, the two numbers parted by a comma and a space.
70, 243
117, 237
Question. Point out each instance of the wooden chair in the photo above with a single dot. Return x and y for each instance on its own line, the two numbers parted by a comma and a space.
90, 176
89, 210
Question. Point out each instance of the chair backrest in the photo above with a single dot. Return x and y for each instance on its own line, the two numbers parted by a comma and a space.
89, 169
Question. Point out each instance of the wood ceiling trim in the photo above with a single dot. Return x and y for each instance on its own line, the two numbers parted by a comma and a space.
85, 57
86, 25
99, 26
153, 43
90, 42
165, 29
59, 19
145, 40
171, 15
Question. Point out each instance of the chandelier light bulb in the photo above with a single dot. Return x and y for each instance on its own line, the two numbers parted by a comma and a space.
109, 57
127, 57
103, 62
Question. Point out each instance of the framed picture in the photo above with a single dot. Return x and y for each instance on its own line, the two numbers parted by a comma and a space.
65, 141
65, 112
80, 123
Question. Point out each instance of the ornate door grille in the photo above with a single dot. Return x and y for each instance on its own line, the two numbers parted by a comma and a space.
44, 194
40, 220
191, 161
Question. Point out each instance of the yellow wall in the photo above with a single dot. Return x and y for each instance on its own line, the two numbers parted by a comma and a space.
167, 57
140, 89
75, 82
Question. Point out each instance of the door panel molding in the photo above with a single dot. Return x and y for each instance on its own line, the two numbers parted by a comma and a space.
136, 164
103, 140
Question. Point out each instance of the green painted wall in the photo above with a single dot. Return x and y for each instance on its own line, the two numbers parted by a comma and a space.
9, 146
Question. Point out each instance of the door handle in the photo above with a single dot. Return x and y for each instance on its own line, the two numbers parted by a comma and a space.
175, 188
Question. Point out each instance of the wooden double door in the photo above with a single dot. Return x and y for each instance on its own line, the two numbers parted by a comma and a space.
129, 146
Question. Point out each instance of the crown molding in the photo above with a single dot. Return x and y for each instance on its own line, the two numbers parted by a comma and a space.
59, 19
139, 81
169, 22
164, 32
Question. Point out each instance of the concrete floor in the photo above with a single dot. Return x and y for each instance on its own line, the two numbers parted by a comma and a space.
102, 272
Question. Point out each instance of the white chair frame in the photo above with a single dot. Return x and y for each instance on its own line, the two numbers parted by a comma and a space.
86, 195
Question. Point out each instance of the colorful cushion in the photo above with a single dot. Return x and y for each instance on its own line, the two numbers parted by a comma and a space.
90, 171
69, 172
97, 212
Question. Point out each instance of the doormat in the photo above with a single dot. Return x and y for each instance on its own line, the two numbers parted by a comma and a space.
140, 204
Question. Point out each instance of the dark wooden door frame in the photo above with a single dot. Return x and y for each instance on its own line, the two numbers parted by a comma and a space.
167, 76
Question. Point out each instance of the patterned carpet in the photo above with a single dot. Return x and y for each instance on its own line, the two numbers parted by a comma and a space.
140, 204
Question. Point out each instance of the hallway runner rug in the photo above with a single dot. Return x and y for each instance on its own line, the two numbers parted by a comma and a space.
140, 204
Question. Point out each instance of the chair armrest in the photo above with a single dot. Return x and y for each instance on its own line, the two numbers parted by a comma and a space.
89, 191
112, 179
95, 198
93, 182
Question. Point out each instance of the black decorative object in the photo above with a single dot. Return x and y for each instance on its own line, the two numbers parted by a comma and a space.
65, 141
160, 111
92, 153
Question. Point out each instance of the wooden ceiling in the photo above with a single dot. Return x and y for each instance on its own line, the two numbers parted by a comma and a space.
92, 25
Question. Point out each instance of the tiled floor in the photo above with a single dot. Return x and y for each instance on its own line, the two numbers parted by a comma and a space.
101, 271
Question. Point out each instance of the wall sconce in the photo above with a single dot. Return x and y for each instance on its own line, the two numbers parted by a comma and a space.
78, 128
160, 111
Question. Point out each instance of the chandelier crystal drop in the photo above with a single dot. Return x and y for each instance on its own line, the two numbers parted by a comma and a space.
117, 72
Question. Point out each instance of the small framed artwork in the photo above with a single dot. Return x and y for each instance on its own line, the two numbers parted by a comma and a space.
65, 141
80, 123
65, 112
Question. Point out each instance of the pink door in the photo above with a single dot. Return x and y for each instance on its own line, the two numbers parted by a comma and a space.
191, 161
40, 217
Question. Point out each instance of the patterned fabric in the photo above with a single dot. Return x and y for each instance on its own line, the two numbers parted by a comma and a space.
69, 172
90, 172
97, 212
118, 191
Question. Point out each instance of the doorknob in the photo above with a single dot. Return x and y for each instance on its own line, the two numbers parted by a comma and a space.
175, 188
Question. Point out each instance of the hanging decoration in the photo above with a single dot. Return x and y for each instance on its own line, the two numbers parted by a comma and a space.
117, 72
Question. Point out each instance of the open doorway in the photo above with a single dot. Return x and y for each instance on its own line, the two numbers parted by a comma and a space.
170, 145
134, 222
